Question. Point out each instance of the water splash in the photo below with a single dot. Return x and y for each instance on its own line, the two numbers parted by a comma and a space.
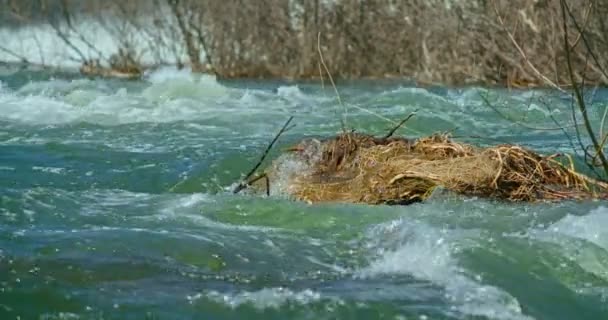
414, 248
583, 239
170, 83
267, 298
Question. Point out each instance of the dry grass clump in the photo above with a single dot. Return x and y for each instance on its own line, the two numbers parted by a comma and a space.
360, 168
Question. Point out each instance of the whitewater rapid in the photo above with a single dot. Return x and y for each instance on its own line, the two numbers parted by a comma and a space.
122, 185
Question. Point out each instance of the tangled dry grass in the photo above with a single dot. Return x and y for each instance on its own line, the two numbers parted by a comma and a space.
359, 168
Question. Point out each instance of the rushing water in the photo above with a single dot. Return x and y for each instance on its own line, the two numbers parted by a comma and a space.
113, 205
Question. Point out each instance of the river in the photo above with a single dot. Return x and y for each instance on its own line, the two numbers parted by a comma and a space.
114, 204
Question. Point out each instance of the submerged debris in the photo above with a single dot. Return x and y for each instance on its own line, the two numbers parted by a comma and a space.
359, 168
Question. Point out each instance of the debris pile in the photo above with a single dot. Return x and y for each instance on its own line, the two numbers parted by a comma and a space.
359, 168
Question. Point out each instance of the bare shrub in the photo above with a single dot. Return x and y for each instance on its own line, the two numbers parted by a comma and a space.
439, 41
431, 41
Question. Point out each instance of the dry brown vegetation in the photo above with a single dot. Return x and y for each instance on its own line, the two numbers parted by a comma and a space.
498, 42
360, 168
431, 41
513, 42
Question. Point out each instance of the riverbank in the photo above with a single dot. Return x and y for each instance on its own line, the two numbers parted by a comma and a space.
504, 43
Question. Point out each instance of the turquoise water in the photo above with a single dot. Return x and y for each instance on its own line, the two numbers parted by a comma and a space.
114, 205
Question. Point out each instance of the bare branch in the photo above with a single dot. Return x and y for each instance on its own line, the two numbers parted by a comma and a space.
14, 54
523, 53
585, 41
577, 91
504, 116
399, 125
245, 182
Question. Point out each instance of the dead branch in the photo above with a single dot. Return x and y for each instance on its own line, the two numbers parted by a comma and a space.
187, 36
504, 116
333, 84
523, 53
578, 93
581, 32
244, 184
14, 54
67, 41
390, 133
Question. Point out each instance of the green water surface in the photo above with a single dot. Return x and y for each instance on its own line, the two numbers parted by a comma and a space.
114, 205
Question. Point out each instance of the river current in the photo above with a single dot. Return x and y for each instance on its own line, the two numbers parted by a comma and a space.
114, 204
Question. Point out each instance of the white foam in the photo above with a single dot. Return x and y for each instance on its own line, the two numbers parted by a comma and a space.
187, 207
52, 170
592, 227
81, 97
421, 93
62, 102
36, 110
60, 316
574, 234
416, 249
266, 298
165, 74
185, 202
288, 166
170, 83
291, 93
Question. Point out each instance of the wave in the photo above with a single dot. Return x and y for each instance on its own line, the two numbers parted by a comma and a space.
168, 97
409, 247
267, 298
168, 83
592, 227
582, 239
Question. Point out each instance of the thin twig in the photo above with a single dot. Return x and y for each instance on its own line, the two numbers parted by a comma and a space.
578, 133
577, 92
265, 154
585, 41
571, 142
523, 53
585, 20
564, 131
502, 115
342, 123
321, 75
244, 183
603, 121
14, 54
390, 133
67, 41
333, 84
256, 179
69, 20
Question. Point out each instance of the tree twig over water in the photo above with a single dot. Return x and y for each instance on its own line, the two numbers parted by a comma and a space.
245, 182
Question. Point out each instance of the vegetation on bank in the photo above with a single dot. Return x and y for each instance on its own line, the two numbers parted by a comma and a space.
504, 42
